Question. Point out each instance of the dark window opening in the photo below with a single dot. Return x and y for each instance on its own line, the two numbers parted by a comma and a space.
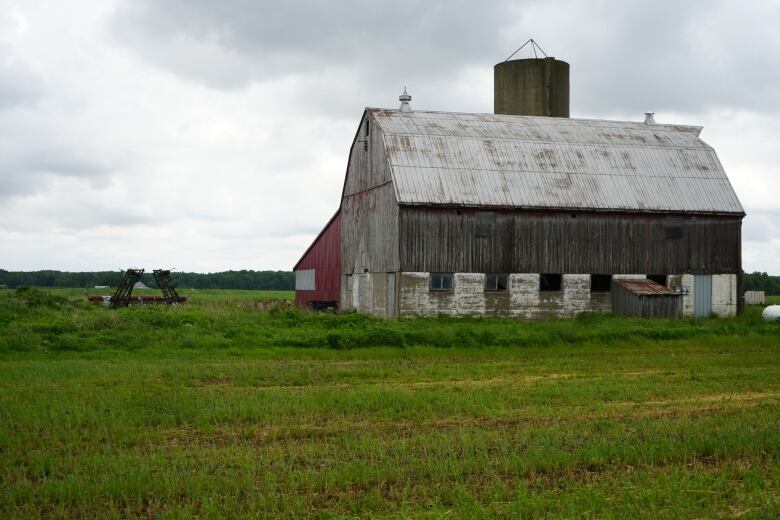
367, 127
441, 281
496, 282
600, 282
673, 228
550, 282
657, 278
485, 224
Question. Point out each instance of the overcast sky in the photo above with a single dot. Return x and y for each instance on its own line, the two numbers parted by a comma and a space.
207, 136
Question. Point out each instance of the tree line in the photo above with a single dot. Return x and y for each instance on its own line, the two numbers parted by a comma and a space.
757, 281
244, 279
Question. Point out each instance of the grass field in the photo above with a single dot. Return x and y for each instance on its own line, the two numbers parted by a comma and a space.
216, 409
195, 295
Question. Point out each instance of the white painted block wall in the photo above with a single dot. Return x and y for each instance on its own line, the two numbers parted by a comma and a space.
687, 288
724, 295
576, 293
469, 297
523, 294
525, 300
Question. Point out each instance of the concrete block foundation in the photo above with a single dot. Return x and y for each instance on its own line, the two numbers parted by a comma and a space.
409, 294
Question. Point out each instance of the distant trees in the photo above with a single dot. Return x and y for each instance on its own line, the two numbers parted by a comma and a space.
757, 281
244, 279
258, 280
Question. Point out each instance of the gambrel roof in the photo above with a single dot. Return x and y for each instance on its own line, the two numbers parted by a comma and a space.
491, 160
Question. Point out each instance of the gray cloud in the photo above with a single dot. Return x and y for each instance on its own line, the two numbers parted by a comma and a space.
25, 165
214, 135
66, 214
761, 226
19, 86
258, 41
663, 55
677, 56
33, 147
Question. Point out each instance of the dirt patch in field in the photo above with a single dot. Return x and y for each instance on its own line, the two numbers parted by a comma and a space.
211, 381
260, 435
748, 396
511, 380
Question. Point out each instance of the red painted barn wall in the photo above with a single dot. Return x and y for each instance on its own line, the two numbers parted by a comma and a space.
324, 256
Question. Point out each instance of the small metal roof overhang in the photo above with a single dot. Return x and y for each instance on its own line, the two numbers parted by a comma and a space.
645, 287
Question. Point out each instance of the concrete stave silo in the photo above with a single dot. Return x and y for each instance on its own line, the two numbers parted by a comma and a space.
531, 87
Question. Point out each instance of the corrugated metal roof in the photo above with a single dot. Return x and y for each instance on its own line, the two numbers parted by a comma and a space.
644, 287
448, 158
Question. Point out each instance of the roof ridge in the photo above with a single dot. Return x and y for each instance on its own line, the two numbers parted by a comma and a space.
551, 120
703, 146
557, 172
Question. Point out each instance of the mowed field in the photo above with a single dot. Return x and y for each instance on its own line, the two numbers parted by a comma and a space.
217, 409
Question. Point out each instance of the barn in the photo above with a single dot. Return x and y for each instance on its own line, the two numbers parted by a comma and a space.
526, 212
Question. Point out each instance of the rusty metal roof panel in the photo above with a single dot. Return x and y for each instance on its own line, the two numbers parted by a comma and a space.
541, 162
644, 287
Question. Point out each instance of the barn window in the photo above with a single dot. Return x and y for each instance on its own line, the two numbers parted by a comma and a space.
485, 224
673, 228
549, 282
496, 282
441, 281
600, 282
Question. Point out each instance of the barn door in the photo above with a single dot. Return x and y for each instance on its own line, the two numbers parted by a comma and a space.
702, 295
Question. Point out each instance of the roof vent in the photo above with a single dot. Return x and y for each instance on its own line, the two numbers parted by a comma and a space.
649, 118
405, 99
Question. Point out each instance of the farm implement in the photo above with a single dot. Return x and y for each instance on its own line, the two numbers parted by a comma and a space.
123, 295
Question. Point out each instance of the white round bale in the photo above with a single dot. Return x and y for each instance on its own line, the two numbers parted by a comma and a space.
771, 313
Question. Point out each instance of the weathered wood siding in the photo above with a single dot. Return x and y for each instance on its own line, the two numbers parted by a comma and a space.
468, 240
367, 167
369, 231
369, 212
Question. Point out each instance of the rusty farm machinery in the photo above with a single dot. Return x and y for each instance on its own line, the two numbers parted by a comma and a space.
123, 295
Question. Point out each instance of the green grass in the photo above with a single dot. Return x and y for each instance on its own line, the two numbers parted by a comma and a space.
194, 295
216, 410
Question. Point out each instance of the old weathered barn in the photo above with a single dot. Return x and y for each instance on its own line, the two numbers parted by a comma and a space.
518, 215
